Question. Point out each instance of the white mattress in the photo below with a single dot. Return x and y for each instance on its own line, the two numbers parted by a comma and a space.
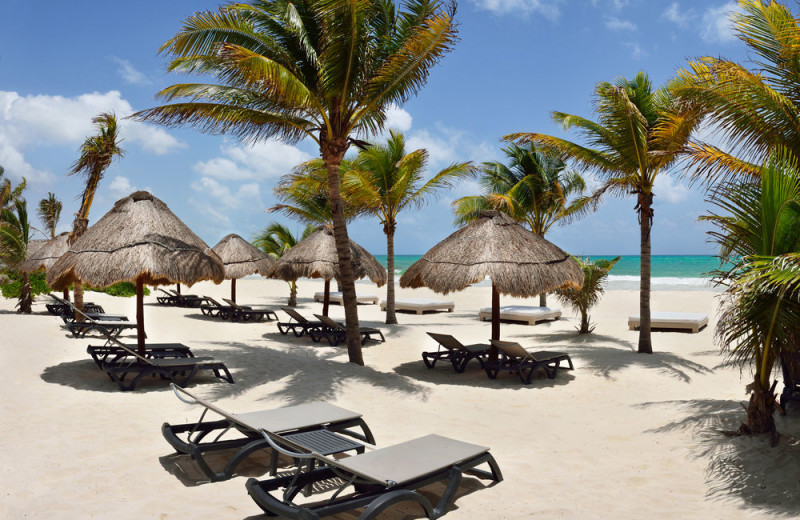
420, 305
672, 320
528, 314
336, 297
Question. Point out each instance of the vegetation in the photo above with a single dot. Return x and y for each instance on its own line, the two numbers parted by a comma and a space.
639, 134
275, 240
323, 70
50, 213
122, 289
12, 284
15, 232
97, 152
533, 189
758, 233
384, 180
583, 299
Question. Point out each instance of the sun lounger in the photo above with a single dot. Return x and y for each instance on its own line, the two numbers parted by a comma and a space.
213, 308
63, 307
336, 297
299, 326
458, 355
336, 332
70, 317
112, 353
672, 320
421, 305
240, 432
790, 366
173, 298
522, 313
250, 313
180, 371
379, 478
515, 359
108, 328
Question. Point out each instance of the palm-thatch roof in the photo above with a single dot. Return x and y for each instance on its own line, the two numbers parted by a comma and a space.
139, 238
315, 257
241, 258
42, 255
519, 262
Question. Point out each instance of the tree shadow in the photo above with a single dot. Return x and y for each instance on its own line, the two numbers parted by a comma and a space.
765, 478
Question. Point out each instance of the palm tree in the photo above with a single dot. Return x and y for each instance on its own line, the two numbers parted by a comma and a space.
50, 213
384, 180
758, 233
15, 233
584, 298
640, 134
97, 152
532, 189
754, 110
275, 240
327, 70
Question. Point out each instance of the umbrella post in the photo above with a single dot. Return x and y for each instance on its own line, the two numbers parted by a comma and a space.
233, 290
495, 320
140, 316
66, 294
178, 288
326, 299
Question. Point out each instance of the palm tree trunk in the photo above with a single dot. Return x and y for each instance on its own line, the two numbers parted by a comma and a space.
645, 214
292, 294
391, 318
584, 322
25, 299
78, 229
543, 300
77, 299
332, 155
760, 410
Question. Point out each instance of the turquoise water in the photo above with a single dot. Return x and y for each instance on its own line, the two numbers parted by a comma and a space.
676, 272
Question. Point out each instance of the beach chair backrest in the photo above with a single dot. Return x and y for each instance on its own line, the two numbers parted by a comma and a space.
299, 318
213, 301
447, 341
328, 322
196, 400
58, 299
510, 348
231, 303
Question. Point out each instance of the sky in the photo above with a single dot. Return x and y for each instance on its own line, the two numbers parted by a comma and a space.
517, 61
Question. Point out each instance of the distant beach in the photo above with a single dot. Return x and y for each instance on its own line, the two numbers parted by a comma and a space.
669, 272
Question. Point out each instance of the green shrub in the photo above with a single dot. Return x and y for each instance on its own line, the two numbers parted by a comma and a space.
11, 283
122, 289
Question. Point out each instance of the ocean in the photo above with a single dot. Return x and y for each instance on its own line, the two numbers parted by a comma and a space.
669, 272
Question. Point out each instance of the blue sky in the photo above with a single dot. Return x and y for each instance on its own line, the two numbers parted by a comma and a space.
61, 63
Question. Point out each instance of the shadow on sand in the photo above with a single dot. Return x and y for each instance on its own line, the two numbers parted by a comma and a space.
765, 478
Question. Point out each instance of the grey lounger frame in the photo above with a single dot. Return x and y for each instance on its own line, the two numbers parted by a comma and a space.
455, 352
515, 359
108, 328
213, 308
191, 438
63, 307
112, 354
299, 326
379, 479
336, 333
249, 313
180, 300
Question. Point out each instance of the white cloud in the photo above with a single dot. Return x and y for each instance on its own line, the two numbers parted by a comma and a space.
398, 119
676, 15
615, 24
247, 196
717, 25
547, 8
16, 167
615, 4
668, 189
261, 161
129, 73
636, 50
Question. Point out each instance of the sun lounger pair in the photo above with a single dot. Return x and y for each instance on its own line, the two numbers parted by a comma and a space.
234, 312
379, 478
62, 307
176, 299
336, 332
113, 353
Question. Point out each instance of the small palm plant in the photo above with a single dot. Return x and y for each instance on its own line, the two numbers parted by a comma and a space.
583, 299
275, 240
15, 233
50, 213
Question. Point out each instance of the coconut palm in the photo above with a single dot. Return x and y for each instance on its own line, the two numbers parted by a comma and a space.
327, 70
533, 189
97, 152
752, 110
584, 298
50, 213
758, 233
15, 233
385, 180
275, 240
639, 134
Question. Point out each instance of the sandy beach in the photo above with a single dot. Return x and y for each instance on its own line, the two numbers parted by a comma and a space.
623, 436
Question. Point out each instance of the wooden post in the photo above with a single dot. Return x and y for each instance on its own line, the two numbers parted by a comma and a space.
233, 290
495, 321
326, 299
66, 294
140, 316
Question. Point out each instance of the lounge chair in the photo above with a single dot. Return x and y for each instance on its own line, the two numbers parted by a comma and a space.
691, 321
180, 300
458, 355
112, 353
336, 332
63, 307
241, 431
180, 371
250, 313
110, 328
380, 478
213, 308
522, 313
299, 326
515, 359
166, 298
790, 366
421, 305
338, 297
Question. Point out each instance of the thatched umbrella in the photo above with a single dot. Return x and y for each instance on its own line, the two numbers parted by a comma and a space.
44, 255
241, 258
315, 257
140, 240
519, 262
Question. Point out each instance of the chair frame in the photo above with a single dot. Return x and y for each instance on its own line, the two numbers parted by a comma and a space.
301, 325
248, 313
112, 354
458, 354
514, 358
336, 332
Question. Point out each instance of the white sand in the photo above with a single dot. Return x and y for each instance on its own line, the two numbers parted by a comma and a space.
624, 436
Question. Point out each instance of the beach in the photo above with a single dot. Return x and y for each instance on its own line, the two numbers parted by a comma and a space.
624, 435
